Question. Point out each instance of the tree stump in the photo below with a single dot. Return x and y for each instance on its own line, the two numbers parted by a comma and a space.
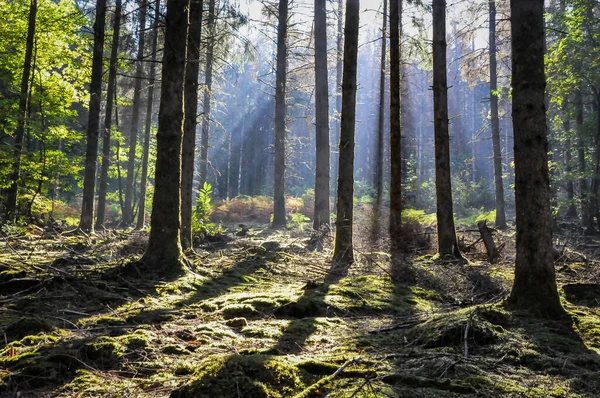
488, 241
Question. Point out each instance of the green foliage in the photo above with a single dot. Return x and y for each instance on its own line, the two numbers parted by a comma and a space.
201, 224
489, 217
298, 220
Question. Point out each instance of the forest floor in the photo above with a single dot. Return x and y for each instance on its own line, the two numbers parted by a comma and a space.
263, 315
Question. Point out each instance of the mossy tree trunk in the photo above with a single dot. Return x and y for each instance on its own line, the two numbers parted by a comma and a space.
343, 253
447, 243
190, 123
141, 220
93, 128
395, 129
321, 214
499, 191
279, 217
164, 252
534, 287
107, 130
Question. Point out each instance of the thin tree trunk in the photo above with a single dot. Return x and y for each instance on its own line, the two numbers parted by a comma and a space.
343, 251
135, 118
164, 253
12, 191
583, 186
572, 210
141, 220
321, 214
593, 194
381, 113
447, 243
279, 217
395, 129
534, 287
208, 72
91, 153
191, 121
110, 93
338, 101
500, 214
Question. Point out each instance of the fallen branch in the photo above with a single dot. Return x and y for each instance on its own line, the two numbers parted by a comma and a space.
312, 389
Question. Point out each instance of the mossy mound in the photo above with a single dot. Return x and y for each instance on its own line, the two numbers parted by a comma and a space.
27, 326
243, 376
587, 294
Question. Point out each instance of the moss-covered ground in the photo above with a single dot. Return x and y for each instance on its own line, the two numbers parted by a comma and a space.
265, 316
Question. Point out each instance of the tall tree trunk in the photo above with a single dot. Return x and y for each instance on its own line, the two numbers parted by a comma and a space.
534, 287
141, 220
583, 187
208, 72
12, 191
135, 117
447, 243
164, 253
110, 94
91, 153
279, 218
235, 159
335, 137
321, 214
343, 251
500, 214
593, 193
572, 210
191, 121
395, 126
378, 178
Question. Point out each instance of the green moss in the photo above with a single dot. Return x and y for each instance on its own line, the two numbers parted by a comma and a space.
104, 352
174, 349
139, 339
238, 310
244, 376
8, 275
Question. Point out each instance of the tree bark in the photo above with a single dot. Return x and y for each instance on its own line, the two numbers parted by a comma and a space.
500, 213
279, 217
343, 251
191, 121
141, 220
208, 76
335, 137
321, 213
447, 243
534, 287
571, 210
583, 186
135, 117
107, 130
395, 130
378, 178
164, 253
91, 153
12, 190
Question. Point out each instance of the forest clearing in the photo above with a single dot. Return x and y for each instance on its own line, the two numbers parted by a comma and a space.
299, 198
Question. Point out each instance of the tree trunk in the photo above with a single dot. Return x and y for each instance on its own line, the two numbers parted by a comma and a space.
447, 243
110, 94
321, 214
343, 251
141, 220
91, 153
164, 252
583, 187
335, 137
208, 75
12, 191
593, 194
191, 121
534, 287
279, 218
135, 117
395, 132
500, 214
572, 210
378, 178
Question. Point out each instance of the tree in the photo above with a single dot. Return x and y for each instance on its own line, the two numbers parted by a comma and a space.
381, 115
395, 133
208, 77
335, 137
343, 251
12, 191
135, 118
190, 123
447, 243
321, 216
148, 124
500, 215
91, 153
534, 287
164, 251
279, 218
110, 96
